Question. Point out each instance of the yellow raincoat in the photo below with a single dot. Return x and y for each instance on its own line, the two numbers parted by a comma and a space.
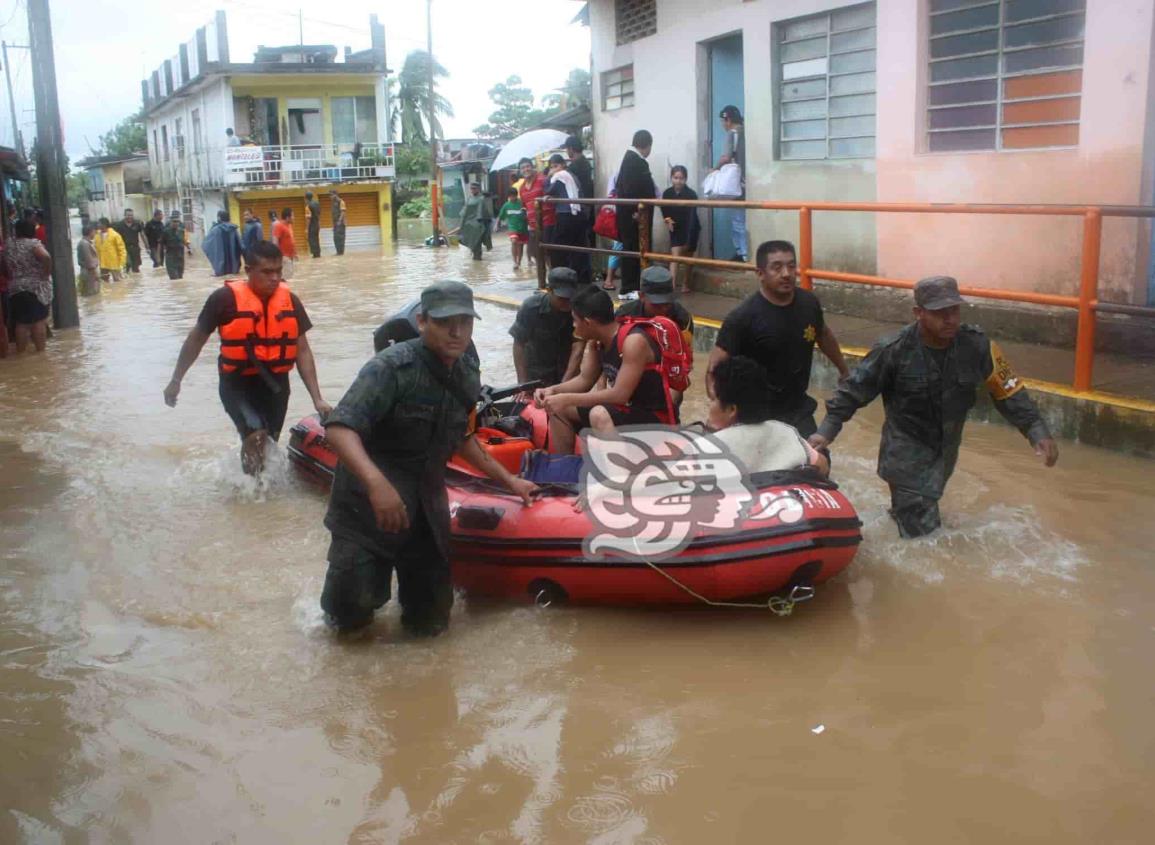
110, 247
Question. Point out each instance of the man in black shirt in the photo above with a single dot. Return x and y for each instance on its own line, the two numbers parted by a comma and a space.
544, 346
658, 299
313, 224
778, 327
263, 331
153, 230
634, 182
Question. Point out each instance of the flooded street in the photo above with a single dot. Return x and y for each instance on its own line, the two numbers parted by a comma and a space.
166, 675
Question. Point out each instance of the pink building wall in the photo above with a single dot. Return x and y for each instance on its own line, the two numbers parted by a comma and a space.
1024, 253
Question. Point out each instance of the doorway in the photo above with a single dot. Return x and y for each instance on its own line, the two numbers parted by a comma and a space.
726, 88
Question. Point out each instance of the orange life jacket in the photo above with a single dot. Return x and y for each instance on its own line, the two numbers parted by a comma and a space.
259, 332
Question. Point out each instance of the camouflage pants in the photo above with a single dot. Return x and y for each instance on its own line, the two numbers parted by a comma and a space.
917, 515
359, 581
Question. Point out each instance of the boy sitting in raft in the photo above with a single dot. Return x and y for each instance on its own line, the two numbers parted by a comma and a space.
637, 391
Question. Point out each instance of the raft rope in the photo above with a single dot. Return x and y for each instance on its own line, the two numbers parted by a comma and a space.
778, 605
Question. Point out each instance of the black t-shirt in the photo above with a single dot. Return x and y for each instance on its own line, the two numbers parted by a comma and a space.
221, 308
315, 214
637, 308
779, 337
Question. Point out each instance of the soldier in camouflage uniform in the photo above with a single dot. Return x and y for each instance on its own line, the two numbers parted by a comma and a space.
928, 375
406, 413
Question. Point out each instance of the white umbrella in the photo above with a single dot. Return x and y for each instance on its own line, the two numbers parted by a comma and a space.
527, 145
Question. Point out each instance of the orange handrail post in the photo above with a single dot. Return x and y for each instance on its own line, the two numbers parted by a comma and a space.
1088, 293
539, 220
644, 229
805, 249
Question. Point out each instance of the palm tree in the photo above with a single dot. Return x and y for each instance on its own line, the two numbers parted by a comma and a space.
411, 101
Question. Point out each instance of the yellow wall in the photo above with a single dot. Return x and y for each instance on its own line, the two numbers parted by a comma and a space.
324, 88
383, 190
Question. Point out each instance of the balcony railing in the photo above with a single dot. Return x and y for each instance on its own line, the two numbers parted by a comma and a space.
274, 166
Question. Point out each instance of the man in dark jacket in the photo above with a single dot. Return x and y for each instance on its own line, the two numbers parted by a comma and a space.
153, 230
130, 229
928, 375
405, 414
313, 224
222, 246
634, 182
544, 346
252, 232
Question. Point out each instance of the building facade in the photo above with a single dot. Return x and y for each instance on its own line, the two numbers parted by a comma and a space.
300, 120
927, 101
117, 183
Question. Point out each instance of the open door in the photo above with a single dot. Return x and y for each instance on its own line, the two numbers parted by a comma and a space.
726, 88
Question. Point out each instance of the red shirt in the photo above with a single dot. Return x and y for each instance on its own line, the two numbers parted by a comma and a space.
42, 234
531, 191
283, 238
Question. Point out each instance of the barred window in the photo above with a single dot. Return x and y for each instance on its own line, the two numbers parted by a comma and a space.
634, 19
826, 102
1005, 74
618, 88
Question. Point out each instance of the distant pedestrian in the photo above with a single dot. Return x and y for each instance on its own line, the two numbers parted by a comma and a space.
313, 224
173, 247
130, 230
222, 246
30, 288
570, 228
88, 261
282, 235
533, 185
338, 211
512, 215
41, 228
475, 216
231, 138
634, 181
734, 152
153, 230
113, 255
683, 223
252, 231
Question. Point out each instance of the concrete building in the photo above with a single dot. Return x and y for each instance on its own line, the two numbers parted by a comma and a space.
993, 101
116, 183
305, 122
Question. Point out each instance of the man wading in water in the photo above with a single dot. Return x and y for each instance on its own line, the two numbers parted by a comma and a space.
409, 409
262, 327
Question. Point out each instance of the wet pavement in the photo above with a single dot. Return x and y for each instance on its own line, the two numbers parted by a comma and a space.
165, 675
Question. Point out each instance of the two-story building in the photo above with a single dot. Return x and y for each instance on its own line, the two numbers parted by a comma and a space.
940, 101
301, 120
117, 183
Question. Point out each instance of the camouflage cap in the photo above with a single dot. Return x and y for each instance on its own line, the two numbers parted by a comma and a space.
448, 299
936, 293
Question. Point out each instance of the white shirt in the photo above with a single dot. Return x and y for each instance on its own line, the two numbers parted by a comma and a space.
571, 188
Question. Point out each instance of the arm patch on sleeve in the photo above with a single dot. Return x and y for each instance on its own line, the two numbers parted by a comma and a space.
1003, 382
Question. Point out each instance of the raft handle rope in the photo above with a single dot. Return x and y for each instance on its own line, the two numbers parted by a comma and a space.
778, 605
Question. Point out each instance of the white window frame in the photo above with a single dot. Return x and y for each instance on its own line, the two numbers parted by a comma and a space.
620, 84
780, 81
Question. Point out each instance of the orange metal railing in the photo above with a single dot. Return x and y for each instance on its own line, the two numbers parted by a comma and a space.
1086, 303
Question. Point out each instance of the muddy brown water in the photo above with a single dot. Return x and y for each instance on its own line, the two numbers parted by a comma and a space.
165, 675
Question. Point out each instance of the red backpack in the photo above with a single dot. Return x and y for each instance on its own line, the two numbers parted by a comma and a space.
677, 356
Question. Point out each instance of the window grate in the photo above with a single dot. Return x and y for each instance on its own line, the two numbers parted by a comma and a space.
618, 88
634, 19
1004, 74
826, 85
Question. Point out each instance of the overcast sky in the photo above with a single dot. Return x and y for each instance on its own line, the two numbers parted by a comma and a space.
104, 49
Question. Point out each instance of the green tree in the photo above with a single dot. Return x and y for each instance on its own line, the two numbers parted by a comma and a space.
126, 138
575, 91
77, 185
411, 100
515, 110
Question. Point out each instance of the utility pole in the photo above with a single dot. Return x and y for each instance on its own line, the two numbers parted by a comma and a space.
50, 165
301, 32
17, 135
434, 182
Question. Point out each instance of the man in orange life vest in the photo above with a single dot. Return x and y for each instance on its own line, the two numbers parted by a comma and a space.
263, 335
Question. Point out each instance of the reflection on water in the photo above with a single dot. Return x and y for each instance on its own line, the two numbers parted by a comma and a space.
166, 676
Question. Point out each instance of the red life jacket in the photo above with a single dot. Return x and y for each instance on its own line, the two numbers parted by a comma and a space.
676, 356
265, 332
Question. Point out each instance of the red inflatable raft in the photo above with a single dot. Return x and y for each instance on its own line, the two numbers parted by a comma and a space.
800, 532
